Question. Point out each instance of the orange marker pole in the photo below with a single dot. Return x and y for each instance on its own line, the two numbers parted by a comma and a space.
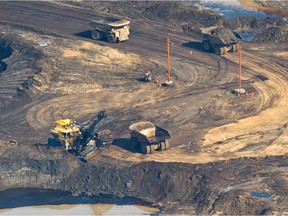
168, 58
239, 66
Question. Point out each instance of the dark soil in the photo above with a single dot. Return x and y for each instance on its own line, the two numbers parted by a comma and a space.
202, 186
170, 11
191, 18
21, 60
272, 35
266, 30
222, 187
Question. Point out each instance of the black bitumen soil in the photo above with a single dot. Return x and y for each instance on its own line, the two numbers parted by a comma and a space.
19, 61
199, 188
272, 35
187, 15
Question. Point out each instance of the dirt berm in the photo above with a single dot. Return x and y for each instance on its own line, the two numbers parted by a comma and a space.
202, 188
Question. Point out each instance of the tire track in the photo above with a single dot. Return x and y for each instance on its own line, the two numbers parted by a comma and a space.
229, 141
273, 116
152, 44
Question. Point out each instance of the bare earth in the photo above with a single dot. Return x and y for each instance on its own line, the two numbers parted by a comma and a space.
79, 77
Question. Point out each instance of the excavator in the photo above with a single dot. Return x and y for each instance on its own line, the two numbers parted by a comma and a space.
77, 139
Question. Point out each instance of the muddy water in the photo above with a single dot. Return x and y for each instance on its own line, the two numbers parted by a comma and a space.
233, 9
91, 209
51, 202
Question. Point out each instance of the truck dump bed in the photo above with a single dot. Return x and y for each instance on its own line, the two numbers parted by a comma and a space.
220, 35
113, 22
148, 132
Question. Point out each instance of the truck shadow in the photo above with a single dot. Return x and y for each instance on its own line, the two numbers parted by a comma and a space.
87, 35
84, 34
126, 144
194, 45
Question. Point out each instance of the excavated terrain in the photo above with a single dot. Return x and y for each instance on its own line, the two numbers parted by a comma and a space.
213, 188
191, 18
224, 148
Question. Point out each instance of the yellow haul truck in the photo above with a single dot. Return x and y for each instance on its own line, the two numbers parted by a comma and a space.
149, 136
112, 30
220, 40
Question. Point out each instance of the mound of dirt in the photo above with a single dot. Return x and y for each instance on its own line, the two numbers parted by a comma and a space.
241, 203
252, 24
168, 11
169, 184
271, 29
272, 35
186, 12
34, 166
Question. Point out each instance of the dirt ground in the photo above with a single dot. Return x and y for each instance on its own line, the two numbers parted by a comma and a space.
55, 71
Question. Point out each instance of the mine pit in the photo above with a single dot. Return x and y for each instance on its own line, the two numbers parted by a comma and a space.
223, 146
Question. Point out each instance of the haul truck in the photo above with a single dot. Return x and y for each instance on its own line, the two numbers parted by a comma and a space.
112, 30
149, 136
220, 40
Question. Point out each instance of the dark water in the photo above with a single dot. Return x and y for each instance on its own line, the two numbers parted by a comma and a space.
14, 198
264, 195
233, 9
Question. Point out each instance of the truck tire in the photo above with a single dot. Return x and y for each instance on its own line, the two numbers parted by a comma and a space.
162, 146
219, 50
167, 145
148, 149
96, 34
222, 51
225, 50
143, 148
151, 149
206, 45
111, 38
234, 48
